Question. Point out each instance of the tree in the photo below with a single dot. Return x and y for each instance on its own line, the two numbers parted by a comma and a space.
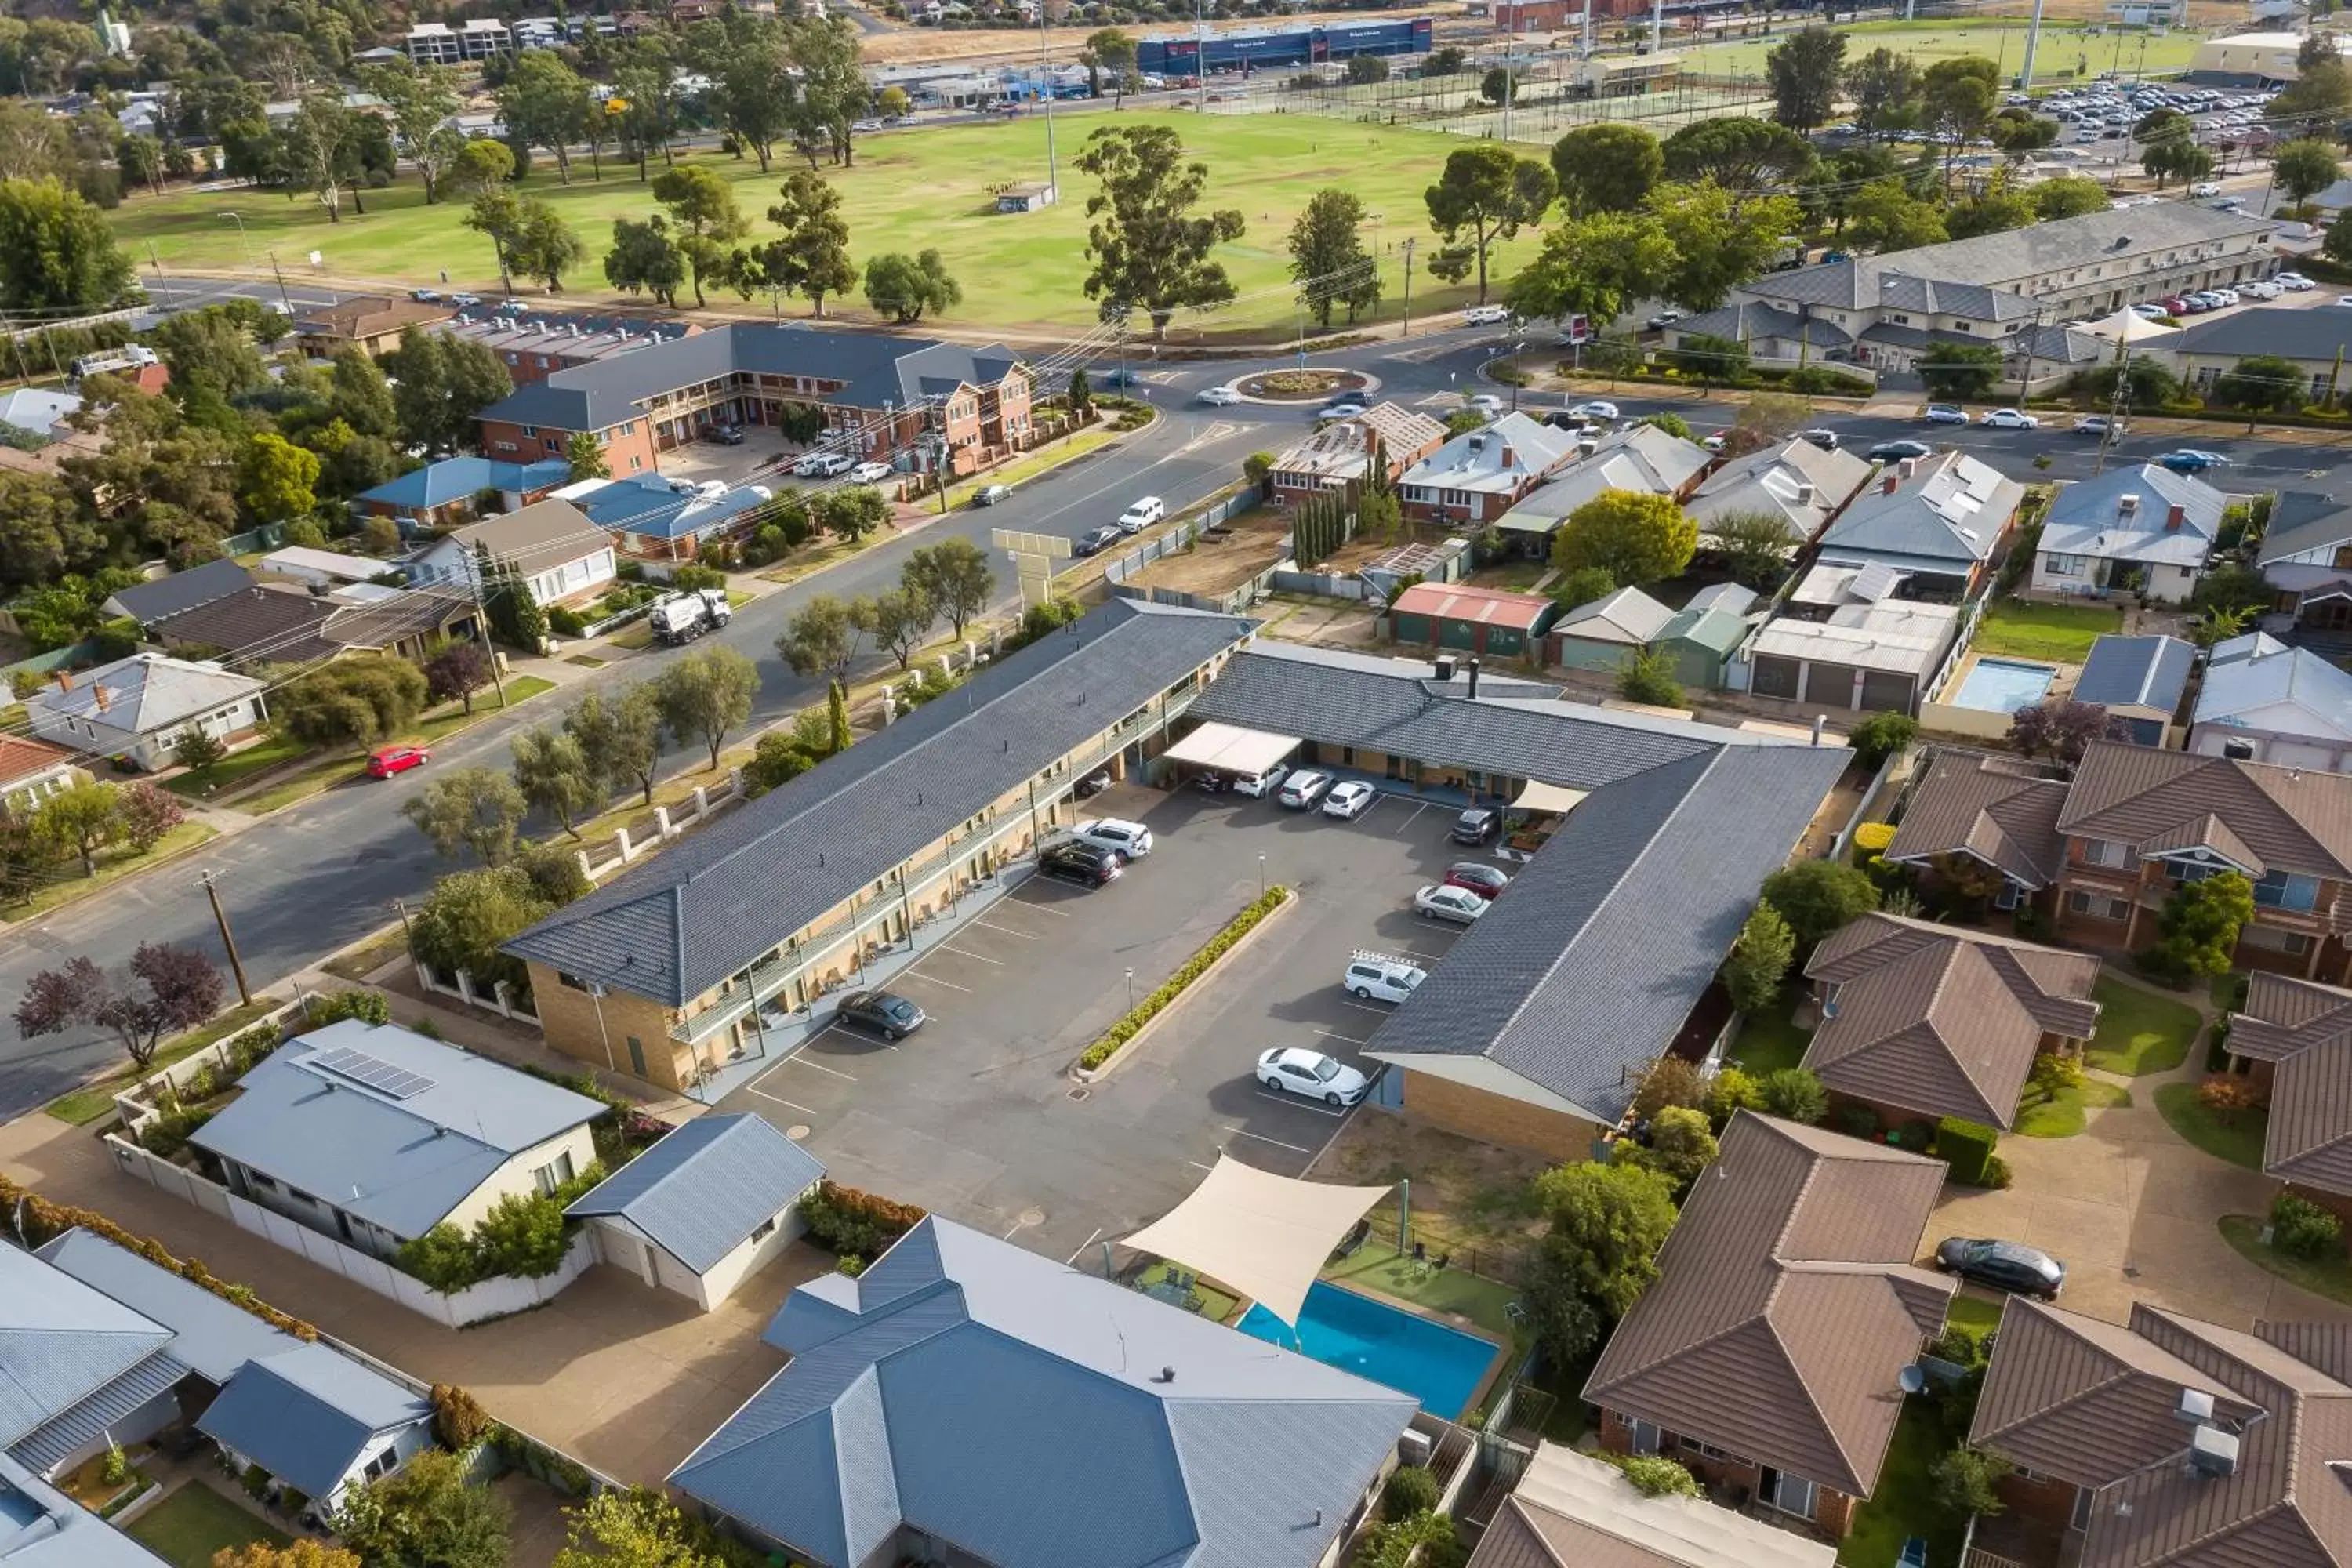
2175, 155
1605, 168
276, 480
811, 258
480, 165
2305, 167
2021, 131
545, 104
1739, 153
207, 350
1818, 897
2261, 383
821, 638
1794, 1095
1721, 240
1574, 590
321, 146
2200, 923
837, 733
1759, 959
477, 809
79, 820
1593, 266
1884, 87
1803, 73
141, 160
1148, 247
620, 737
900, 620
542, 245
1883, 215
426, 1514
1755, 545
833, 92
1681, 1146
1634, 536
197, 751
902, 286
1968, 1481
438, 385
421, 98
705, 694
1486, 193
2067, 195
584, 456
1646, 675
1879, 737
2060, 729
554, 776
1606, 1224
165, 988
1363, 70
351, 703
1499, 85
2317, 99
852, 512
1444, 62
704, 215
58, 257
1956, 99
638, 1529
457, 671
1328, 258
301, 1552
359, 396
645, 256
955, 577
1959, 372
147, 814
1112, 51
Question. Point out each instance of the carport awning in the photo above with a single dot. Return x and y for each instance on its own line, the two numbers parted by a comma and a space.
1231, 748
1537, 795
1266, 1236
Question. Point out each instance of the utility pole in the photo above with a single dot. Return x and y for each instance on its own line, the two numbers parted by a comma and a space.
1409, 242
159, 281
1046, 91
480, 566
2033, 38
1658, 26
236, 965
281, 274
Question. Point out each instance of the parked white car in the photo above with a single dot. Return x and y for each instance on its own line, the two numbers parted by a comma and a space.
1298, 1070
1600, 409
1486, 315
1303, 789
1349, 801
1459, 905
1487, 404
822, 465
1131, 839
1944, 414
2294, 283
1258, 785
1142, 515
2260, 289
2009, 419
869, 473
1220, 397
1378, 978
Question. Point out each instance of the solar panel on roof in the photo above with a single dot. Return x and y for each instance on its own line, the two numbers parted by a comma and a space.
373, 1071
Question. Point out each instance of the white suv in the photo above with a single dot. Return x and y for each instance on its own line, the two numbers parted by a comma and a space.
1142, 514
1376, 976
1131, 839
823, 465
1486, 315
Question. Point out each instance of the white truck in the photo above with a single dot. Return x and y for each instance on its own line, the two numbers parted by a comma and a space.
682, 618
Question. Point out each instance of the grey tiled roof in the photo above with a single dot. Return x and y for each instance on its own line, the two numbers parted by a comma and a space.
701, 1191
1947, 515
1749, 321
709, 907
306, 1413
60, 1342
2284, 331
148, 602
1017, 1409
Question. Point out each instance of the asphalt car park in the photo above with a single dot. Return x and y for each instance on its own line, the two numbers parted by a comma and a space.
976, 1116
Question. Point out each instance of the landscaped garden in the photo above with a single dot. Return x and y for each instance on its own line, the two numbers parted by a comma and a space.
1904, 1503
189, 1527
2061, 634
2140, 1031
2226, 1132
1770, 1041
2059, 1112
2321, 1267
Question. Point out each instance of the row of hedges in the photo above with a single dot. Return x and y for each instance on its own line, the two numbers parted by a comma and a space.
41, 1221
855, 1223
1151, 1006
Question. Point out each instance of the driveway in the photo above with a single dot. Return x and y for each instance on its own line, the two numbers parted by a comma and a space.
975, 1115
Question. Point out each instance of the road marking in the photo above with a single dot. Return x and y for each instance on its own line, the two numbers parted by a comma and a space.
1072, 1260
1243, 1132
1302, 1105
918, 974
1041, 908
1198, 1166
962, 954
1418, 953
1334, 1034
1367, 1008
795, 1059
780, 1099
1023, 935
1409, 821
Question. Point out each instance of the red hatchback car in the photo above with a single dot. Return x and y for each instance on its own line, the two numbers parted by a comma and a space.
392, 759
1483, 880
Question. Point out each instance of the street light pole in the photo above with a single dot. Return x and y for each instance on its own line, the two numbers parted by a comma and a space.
243, 238
228, 941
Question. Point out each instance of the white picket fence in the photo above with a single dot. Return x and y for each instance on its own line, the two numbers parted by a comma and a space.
490, 1298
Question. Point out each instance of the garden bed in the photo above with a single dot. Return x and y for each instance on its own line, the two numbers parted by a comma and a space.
2239, 1138
1097, 1059
1300, 386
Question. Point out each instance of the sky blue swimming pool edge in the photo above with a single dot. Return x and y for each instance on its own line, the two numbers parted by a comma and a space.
1438, 1364
2024, 680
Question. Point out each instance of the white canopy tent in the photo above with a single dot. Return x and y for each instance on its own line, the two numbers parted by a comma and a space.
2127, 326
1263, 1234
1230, 749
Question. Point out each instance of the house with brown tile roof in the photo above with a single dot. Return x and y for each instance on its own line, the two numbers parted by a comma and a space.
2138, 822
1765, 1355
31, 771
370, 322
2173, 1443
2295, 1037
1571, 1511
1341, 451
1997, 812
1925, 1020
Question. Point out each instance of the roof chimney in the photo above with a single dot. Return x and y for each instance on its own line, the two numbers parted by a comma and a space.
2127, 503
1444, 668
1891, 483
1805, 493
105, 699
1473, 668
1907, 467
1506, 459
2175, 518
65, 680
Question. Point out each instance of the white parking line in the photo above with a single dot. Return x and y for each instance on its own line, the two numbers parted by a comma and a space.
1302, 1105
982, 956
1335, 1034
1366, 1007
1243, 1132
1072, 1260
992, 925
796, 1059
1198, 1166
780, 1099
918, 974
1041, 908
1409, 821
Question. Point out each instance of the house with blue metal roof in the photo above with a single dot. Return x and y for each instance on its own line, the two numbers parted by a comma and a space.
705, 1209
965, 1400
373, 1134
317, 1421
442, 494
41, 1527
2139, 680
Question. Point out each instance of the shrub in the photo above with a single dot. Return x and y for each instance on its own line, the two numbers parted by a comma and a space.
1654, 1475
2303, 1229
442, 1260
1151, 1006
2229, 1095
1996, 1174
1857, 1121
1918, 1134
256, 1481
1872, 838
370, 1007
689, 579
169, 1133
1732, 1090
1795, 1095
116, 1468
1967, 1147
1966, 1479
459, 1419
565, 622
853, 1223
1670, 1081
1410, 1489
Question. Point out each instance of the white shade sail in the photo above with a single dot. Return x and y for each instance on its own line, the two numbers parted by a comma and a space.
1537, 795
1232, 749
1265, 1236
2127, 326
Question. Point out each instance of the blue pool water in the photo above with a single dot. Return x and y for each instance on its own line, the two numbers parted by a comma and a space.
1437, 1366
2004, 685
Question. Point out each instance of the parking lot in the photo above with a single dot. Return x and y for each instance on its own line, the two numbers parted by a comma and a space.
975, 1116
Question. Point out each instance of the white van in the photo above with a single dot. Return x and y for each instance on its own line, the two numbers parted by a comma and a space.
1378, 976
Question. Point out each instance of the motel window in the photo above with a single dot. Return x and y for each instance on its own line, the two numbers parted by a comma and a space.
2286, 890
1645, 1437
530, 430
514, 359
506, 446
2106, 852
1704, 1450
2098, 906
2293, 943
2063, 565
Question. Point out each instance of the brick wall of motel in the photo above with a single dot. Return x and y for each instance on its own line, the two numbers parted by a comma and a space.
1493, 1119
569, 1017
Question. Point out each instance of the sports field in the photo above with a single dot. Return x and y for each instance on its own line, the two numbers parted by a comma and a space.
2064, 48
908, 191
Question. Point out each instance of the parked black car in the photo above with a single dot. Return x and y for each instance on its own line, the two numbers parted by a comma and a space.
1087, 865
2004, 1266
724, 435
885, 1012
1096, 539
1477, 825
1892, 451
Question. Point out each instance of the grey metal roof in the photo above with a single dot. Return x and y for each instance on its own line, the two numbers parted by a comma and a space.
1946, 515
1749, 321
1037, 1417
305, 1415
60, 1342
50, 1444
2127, 514
148, 602
1616, 927
709, 907
41, 1527
212, 1337
2303, 520
399, 1162
2284, 331
2147, 672
146, 693
701, 1191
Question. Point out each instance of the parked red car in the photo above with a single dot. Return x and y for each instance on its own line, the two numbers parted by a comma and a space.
1482, 879
391, 760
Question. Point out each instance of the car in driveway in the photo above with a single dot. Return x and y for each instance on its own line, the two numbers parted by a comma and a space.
1349, 801
2009, 419
2192, 461
1295, 1069
1087, 865
1219, 396
1894, 451
1476, 824
386, 761
869, 473
1095, 540
1303, 789
1598, 408
991, 495
1483, 879
1944, 414
722, 435
1443, 901
1379, 977
1116, 834
883, 1012
2002, 1266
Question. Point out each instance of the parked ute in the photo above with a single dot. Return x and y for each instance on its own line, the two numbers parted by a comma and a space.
678, 620
1381, 977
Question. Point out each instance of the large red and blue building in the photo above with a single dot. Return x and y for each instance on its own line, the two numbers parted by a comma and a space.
1262, 49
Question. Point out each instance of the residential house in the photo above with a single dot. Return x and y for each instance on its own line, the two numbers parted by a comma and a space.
41, 1527
2141, 681
1795, 481
2139, 824
1478, 476
1766, 1355
37, 414
705, 1209
265, 624
989, 773
2293, 1038
150, 602
2264, 701
1705, 634
1649, 836
370, 323
1995, 811
1922, 1021
1602, 635
320, 569
549, 546
2166, 1442
450, 492
2141, 529
1485, 621
1341, 452
373, 1134
658, 524
2209, 347
2307, 555
1569, 1510
434, 44
1936, 522
1869, 657
100, 1345
966, 1400
138, 708
1638, 457
889, 398
32, 771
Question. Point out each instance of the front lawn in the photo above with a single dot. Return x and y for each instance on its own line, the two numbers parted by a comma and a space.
194, 1523
2062, 1117
2061, 634
1973, 1313
1904, 1503
2329, 1276
2238, 1139
1482, 1301
1771, 1041
85, 1105
114, 862
201, 783
2139, 1032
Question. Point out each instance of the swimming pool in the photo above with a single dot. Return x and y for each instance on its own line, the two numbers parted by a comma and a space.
1437, 1366
2004, 685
